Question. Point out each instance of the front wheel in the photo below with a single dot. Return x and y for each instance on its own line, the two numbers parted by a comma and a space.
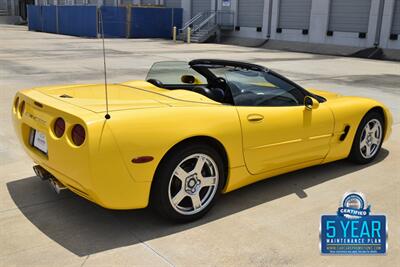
368, 139
188, 182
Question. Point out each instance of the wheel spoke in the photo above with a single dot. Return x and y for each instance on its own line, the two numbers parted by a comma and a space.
375, 141
367, 151
196, 201
181, 173
374, 128
199, 165
208, 181
179, 197
363, 143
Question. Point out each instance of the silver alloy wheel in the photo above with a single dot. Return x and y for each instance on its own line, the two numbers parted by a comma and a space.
371, 138
193, 184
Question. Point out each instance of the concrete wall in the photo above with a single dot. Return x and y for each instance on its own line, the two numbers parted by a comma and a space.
9, 7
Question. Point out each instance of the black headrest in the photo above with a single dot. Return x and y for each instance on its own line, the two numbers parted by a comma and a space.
215, 94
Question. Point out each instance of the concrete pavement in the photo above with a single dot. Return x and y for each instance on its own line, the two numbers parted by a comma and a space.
271, 223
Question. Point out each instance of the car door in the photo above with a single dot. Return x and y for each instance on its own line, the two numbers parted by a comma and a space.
277, 129
277, 137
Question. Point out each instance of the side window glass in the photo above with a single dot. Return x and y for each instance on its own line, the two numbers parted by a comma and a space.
257, 88
170, 72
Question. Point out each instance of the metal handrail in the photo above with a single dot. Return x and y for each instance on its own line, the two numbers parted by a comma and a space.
210, 17
203, 19
190, 22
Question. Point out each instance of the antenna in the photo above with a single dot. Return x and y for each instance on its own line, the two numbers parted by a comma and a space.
107, 116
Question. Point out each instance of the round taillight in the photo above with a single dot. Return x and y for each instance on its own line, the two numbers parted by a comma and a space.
16, 102
22, 108
78, 134
59, 127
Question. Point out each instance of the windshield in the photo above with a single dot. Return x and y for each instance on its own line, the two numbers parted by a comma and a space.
170, 72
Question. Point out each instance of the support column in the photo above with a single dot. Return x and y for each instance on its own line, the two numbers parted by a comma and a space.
267, 18
319, 19
387, 20
187, 10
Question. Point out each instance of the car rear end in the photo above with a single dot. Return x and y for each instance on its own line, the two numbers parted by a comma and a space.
73, 148
55, 136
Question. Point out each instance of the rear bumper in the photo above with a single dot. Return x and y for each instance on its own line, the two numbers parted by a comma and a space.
133, 197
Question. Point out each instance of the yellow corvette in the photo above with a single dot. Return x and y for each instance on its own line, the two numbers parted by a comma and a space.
188, 133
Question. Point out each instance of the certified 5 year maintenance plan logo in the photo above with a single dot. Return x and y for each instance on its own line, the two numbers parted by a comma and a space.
353, 230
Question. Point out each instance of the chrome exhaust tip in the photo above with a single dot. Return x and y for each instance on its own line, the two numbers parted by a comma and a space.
56, 185
41, 172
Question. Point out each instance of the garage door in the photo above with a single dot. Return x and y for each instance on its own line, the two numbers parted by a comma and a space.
173, 3
396, 18
250, 13
349, 15
105, 2
148, 2
294, 14
199, 6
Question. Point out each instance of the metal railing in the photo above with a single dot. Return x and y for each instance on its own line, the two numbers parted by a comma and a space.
190, 22
208, 19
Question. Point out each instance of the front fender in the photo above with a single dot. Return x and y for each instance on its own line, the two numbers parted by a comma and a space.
349, 111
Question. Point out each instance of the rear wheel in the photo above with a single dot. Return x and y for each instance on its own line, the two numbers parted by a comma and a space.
188, 182
368, 140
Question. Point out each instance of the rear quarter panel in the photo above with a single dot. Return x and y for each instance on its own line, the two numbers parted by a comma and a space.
153, 132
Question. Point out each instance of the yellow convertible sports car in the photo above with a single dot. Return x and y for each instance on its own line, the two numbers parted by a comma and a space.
188, 133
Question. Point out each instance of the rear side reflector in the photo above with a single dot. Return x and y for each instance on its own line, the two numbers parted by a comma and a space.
16, 104
22, 108
142, 159
78, 134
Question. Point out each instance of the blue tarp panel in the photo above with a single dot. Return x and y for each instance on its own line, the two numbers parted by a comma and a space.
154, 22
34, 18
49, 18
82, 21
178, 17
114, 19
77, 20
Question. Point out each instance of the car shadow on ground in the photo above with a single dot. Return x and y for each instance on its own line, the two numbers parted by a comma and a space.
85, 228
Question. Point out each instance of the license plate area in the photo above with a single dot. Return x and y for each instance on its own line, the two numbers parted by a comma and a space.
38, 140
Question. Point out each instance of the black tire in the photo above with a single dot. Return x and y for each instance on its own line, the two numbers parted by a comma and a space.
356, 153
161, 200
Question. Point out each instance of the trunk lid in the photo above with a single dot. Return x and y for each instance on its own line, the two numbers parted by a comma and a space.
92, 97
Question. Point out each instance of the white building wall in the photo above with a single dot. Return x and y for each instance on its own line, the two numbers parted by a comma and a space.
319, 21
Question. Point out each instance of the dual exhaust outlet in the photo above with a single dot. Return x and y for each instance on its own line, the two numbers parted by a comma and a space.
46, 176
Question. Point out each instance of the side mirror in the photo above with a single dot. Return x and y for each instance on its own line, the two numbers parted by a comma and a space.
188, 79
311, 103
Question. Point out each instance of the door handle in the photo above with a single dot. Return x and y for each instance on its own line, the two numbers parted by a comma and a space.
255, 117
